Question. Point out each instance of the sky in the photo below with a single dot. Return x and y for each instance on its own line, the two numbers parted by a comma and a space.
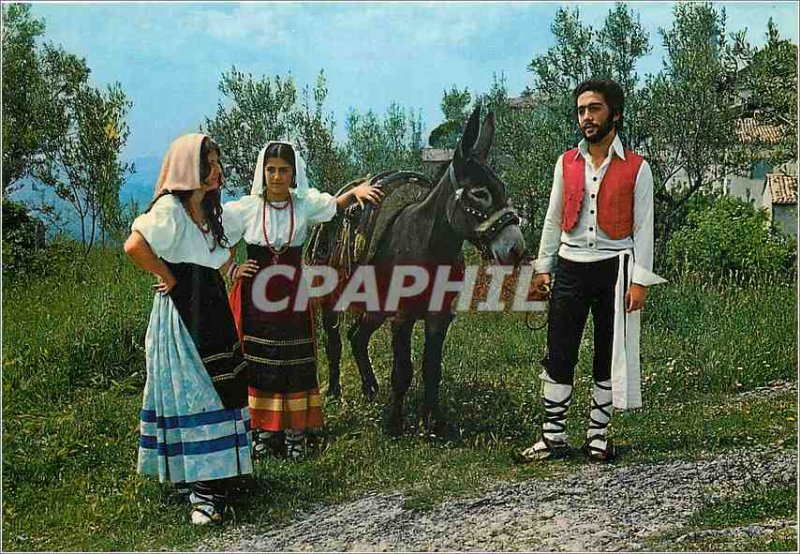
169, 57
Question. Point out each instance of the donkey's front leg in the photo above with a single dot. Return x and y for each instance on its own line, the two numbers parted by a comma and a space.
402, 372
333, 349
359, 335
435, 332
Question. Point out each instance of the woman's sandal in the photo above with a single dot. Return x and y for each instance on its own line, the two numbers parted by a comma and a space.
295, 447
205, 513
267, 443
260, 449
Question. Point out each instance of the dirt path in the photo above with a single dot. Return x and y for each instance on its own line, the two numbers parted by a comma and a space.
597, 508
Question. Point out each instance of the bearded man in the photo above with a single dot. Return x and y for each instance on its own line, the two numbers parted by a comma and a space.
597, 249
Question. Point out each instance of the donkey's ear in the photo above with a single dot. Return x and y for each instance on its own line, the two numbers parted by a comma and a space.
485, 138
471, 131
458, 163
467, 142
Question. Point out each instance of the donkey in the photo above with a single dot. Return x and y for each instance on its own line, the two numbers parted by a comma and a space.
469, 202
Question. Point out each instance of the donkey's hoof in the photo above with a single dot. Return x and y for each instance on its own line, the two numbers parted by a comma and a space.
394, 427
334, 393
370, 391
436, 429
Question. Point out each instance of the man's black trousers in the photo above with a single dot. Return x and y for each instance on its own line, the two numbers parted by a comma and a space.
580, 287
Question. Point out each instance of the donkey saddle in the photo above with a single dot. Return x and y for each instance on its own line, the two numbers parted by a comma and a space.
353, 236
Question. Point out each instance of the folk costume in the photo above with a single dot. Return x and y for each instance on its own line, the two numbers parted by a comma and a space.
194, 418
278, 345
597, 240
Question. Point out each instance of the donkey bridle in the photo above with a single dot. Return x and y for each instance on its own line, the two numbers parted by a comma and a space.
490, 224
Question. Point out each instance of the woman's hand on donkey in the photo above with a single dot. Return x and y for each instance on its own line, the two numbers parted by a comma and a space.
367, 192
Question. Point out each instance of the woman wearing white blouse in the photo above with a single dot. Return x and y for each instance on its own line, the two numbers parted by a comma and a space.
194, 416
274, 220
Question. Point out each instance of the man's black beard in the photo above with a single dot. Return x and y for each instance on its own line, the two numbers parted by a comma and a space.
601, 132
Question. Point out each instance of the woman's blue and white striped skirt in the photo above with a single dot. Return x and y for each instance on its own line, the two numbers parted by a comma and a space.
187, 434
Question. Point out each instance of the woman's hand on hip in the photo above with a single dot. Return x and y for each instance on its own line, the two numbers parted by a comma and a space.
165, 283
247, 269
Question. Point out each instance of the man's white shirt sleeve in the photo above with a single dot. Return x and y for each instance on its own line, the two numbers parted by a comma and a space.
643, 229
551, 231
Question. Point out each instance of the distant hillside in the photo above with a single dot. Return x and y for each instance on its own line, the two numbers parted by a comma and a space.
139, 185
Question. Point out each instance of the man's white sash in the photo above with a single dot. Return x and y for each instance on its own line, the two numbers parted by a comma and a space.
626, 378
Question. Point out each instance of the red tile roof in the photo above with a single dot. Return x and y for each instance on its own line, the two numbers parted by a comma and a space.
782, 188
749, 129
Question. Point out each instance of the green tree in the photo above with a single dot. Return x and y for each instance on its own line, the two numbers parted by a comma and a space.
769, 82
37, 83
23, 85
83, 166
59, 129
328, 167
455, 107
772, 77
251, 112
23, 236
730, 239
255, 110
377, 144
690, 110
526, 145
566, 64
111, 108
622, 42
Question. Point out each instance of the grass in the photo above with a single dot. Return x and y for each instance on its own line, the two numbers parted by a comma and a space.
73, 371
752, 506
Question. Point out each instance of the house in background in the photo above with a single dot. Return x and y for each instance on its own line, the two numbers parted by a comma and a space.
780, 201
777, 186
523, 102
434, 160
751, 186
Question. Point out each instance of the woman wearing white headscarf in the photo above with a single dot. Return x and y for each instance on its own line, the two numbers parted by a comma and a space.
194, 417
274, 220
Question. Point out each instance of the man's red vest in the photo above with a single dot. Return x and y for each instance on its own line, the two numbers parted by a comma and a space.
614, 197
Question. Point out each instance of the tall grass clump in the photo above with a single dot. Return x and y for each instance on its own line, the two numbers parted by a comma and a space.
73, 370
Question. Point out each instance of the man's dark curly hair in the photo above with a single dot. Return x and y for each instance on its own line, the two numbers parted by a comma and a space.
610, 91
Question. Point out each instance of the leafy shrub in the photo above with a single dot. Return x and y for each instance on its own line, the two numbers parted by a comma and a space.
730, 239
23, 237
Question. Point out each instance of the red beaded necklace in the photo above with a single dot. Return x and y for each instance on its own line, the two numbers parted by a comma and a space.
275, 253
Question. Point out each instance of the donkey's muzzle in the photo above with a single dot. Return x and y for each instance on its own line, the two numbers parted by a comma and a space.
488, 230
